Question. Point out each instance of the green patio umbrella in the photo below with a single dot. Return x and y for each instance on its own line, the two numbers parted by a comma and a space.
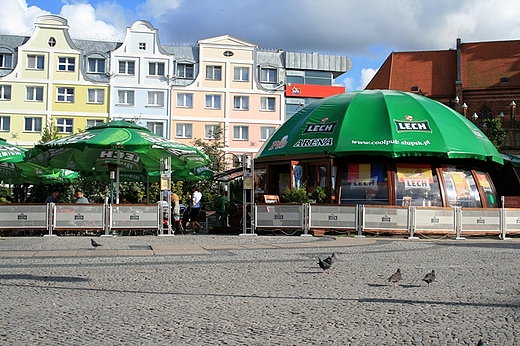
120, 144
379, 122
14, 170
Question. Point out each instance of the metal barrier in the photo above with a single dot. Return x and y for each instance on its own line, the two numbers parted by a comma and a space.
134, 217
510, 221
426, 220
78, 218
480, 221
276, 216
24, 217
333, 217
385, 218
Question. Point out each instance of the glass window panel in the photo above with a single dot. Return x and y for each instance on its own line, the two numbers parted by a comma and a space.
417, 184
364, 184
461, 188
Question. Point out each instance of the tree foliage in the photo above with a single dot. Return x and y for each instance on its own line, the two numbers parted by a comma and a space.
494, 131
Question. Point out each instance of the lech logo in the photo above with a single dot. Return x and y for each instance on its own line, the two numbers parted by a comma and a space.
134, 217
386, 218
435, 219
22, 216
481, 220
333, 217
320, 128
278, 216
78, 216
412, 126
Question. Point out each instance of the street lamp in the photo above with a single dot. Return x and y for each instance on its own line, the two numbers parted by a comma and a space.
475, 117
464, 109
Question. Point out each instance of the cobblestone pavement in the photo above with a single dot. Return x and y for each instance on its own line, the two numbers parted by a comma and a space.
230, 290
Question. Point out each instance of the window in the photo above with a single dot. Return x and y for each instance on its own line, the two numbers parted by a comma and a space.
96, 65
156, 69
6, 60
417, 184
183, 131
51, 42
364, 183
241, 133
127, 67
156, 98
241, 103
185, 71
185, 100
66, 64
214, 72
64, 125
210, 131
33, 124
156, 127
125, 97
461, 187
94, 122
142, 45
213, 101
5, 92
241, 74
34, 93
5, 123
266, 132
267, 104
268, 75
65, 95
96, 96
35, 62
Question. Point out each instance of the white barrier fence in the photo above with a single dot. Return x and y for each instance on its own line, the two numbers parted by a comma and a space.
388, 219
60, 219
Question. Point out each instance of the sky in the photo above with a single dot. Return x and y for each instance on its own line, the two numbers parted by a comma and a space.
367, 31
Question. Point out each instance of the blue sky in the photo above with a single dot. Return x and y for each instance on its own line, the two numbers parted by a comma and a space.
365, 30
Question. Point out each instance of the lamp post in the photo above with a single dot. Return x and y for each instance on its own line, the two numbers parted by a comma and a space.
464, 109
475, 117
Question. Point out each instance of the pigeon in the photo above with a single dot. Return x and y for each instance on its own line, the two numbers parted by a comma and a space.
481, 343
94, 244
331, 259
324, 265
395, 277
429, 278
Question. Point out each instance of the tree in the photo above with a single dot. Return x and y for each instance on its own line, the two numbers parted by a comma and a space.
494, 131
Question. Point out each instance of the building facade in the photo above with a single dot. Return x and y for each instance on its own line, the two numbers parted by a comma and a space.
180, 92
481, 80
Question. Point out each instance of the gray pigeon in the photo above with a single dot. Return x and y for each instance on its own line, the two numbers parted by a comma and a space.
395, 277
429, 278
324, 265
94, 243
331, 259
481, 343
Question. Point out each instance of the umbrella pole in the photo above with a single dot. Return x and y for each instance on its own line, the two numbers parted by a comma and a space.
117, 177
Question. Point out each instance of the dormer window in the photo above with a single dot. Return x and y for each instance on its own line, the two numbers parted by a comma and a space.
6, 60
504, 80
415, 88
96, 64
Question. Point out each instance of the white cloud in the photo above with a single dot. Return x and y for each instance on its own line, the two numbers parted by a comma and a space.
18, 18
158, 8
366, 76
84, 24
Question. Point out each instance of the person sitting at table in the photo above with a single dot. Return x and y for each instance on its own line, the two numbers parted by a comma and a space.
80, 198
53, 197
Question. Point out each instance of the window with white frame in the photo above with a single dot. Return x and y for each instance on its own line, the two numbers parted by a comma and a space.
94, 122
183, 130
125, 97
185, 71
156, 127
210, 130
266, 132
34, 93
155, 99
5, 124
241, 103
185, 100
241, 74
66, 64
213, 101
214, 72
32, 124
35, 62
241, 133
5, 92
268, 75
96, 96
156, 69
96, 65
267, 104
6, 60
65, 94
64, 125
127, 67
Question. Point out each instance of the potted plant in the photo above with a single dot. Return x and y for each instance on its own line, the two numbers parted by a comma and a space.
319, 194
